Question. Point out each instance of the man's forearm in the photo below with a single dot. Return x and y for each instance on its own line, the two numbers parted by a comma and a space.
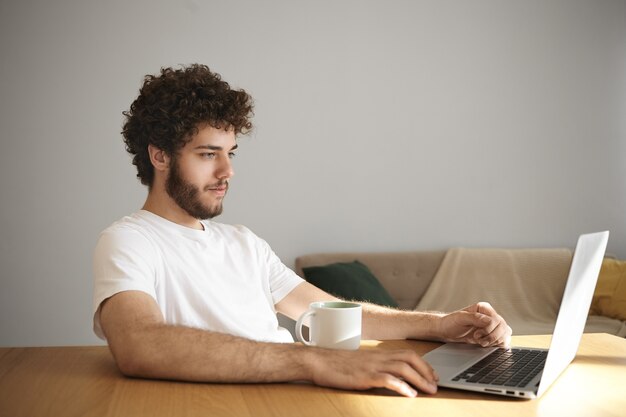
476, 324
381, 323
179, 353
182, 353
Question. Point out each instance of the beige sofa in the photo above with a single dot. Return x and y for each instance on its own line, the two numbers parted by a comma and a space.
537, 276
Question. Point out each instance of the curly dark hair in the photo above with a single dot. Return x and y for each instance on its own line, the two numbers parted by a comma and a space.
172, 105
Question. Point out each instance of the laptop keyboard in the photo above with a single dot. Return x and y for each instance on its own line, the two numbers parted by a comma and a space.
508, 367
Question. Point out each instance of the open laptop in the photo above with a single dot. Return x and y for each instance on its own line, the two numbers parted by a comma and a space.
528, 372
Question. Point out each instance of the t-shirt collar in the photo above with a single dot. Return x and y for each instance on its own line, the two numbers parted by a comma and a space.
175, 227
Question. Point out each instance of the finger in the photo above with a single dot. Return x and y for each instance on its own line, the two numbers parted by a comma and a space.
474, 319
500, 336
495, 330
488, 338
505, 338
485, 308
482, 307
394, 384
406, 372
420, 365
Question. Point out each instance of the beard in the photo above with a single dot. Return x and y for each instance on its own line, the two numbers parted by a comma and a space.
186, 195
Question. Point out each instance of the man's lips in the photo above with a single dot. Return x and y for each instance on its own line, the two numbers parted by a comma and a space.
218, 189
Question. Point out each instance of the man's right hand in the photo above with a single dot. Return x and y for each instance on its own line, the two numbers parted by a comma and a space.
401, 370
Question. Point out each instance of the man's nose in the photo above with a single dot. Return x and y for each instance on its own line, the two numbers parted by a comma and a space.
225, 169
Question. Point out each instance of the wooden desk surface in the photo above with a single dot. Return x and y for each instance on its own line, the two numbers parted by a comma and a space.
84, 381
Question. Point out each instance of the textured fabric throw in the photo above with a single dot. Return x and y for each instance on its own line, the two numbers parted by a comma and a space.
524, 285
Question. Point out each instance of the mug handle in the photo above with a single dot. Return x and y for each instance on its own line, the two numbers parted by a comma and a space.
299, 328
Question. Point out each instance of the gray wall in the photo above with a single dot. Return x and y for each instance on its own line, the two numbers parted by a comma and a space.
381, 126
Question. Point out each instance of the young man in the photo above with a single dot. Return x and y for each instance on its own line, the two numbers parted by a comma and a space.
178, 296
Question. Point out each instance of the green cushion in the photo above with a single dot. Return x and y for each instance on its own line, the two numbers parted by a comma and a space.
350, 281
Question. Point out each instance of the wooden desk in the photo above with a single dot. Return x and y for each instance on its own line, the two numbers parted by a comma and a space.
84, 381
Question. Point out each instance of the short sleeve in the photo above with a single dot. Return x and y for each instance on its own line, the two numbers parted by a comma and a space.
124, 260
282, 280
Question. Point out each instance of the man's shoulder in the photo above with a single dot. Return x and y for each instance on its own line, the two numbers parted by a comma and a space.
133, 223
126, 237
131, 230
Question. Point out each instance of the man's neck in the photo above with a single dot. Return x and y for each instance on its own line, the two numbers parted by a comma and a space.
162, 205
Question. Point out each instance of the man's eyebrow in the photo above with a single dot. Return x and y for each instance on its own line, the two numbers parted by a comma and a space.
215, 148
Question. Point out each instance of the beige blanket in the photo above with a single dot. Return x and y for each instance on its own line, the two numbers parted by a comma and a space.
524, 285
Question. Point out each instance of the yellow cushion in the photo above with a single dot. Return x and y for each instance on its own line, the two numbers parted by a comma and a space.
609, 298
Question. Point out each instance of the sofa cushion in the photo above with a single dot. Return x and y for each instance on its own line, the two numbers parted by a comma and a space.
350, 281
609, 298
405, 275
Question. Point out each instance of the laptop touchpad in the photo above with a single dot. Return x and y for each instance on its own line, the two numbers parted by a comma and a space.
455, 355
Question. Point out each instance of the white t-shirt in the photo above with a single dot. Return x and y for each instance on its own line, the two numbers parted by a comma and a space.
223, 278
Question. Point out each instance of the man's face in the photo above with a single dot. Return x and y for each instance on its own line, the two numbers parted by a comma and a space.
199, 173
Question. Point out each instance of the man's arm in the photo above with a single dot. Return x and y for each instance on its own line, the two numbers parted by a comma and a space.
144, 346
476, 324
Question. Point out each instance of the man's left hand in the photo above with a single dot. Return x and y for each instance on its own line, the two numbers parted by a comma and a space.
477, 324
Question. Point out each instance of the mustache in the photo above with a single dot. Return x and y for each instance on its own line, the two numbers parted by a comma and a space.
218, 184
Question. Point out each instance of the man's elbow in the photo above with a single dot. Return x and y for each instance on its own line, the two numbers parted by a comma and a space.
132, 359
130, 366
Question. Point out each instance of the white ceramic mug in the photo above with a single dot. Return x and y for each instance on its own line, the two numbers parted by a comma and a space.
334, 324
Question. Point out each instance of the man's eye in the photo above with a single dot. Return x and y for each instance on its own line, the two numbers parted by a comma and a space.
208, 155
231, 155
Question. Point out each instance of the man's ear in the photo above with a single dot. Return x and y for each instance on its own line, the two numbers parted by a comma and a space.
159, 158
